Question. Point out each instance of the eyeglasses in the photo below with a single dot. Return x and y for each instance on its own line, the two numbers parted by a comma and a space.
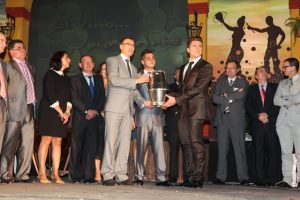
20, 49
129, 44
285, 66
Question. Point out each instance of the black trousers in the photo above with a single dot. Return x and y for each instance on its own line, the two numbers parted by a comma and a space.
83, 150
190, 133
267, 154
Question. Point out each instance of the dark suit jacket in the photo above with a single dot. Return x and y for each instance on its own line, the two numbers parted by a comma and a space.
237, 113
193, 91
254, 106
16, 90
82, 99
171, 113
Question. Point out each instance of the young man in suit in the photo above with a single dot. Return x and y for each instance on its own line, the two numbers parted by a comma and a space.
194, 80
149, 123
19, 134
230, 95
119, 111
3, 90
263, 115
88, 98
172, 130
288, 122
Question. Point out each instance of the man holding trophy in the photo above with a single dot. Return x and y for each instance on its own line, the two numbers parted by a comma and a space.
149, 122
194, 80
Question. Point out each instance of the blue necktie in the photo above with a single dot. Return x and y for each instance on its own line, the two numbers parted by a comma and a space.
91, 85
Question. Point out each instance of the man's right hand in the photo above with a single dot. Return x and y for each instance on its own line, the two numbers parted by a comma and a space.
143, 79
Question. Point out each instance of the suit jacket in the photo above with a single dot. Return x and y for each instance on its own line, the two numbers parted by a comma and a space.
147, 116
171, 113
82, 99
194, 90
254, 106
237, 113
121, 92
288, 98
16, 91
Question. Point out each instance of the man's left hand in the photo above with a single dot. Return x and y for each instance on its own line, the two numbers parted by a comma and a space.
148, 104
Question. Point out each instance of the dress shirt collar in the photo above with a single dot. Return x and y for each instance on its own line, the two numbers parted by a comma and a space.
59, 72
124, 57
85, 74
146, 72
265, 85
195, 61
295, 78
229, 79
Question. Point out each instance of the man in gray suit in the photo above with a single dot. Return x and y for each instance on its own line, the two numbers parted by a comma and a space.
149, 122
119, 111
287, 97
19, 134
230, 119
3, 92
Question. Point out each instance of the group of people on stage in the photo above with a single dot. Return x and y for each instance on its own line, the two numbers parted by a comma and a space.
106, 106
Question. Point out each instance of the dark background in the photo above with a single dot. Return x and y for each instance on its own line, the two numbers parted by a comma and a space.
95, 27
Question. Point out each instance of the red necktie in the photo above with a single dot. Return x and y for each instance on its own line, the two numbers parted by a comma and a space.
3, 93
262, 94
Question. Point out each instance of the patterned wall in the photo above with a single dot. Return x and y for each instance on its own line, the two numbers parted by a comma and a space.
95, 27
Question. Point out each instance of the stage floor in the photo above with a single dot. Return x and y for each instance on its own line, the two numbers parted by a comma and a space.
33, 191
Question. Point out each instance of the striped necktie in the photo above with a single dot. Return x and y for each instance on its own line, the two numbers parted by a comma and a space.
29, 82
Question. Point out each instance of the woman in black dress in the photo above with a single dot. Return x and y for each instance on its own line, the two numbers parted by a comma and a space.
54, 113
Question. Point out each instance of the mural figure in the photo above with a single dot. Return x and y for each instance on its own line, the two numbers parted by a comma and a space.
236, 52
273, 32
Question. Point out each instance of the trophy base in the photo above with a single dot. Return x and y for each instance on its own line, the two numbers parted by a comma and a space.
158, 96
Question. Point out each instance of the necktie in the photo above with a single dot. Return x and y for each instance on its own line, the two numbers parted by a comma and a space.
3, 93
262, 94
91, 85
29, 82
128, 67
230, 82
291, 80
188, 71
226, 110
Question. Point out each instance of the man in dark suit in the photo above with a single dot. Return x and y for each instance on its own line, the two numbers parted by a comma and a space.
88, 98
172, 130
194, 80
19, 133
263, 115
229, 95
3, 90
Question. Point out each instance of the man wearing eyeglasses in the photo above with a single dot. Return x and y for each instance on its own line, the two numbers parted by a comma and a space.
119, 111
288, 122
3, 90
19, 134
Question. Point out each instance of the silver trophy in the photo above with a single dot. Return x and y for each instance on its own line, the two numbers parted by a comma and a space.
158, 87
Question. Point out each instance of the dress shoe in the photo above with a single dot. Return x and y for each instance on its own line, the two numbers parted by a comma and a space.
218, 182
6, 181
140, 182
109, 182
126, 182
282, 184
23, 181
163, 183
260, 184
198, 183
89, 181
189, 184
244, 182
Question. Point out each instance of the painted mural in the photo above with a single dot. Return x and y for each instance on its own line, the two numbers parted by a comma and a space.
250, 32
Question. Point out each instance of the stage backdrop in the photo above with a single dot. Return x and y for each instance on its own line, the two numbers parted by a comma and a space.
95, 27
249, 31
